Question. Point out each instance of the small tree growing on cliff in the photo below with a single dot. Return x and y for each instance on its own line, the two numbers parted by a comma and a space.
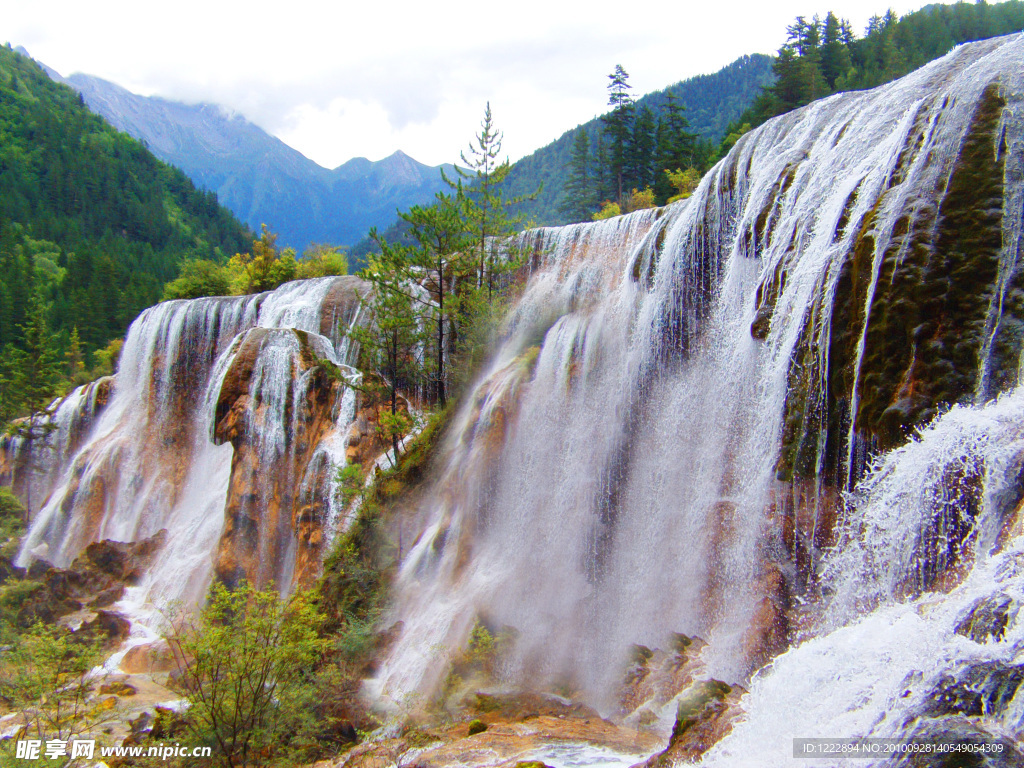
486, 210
390, 344
245, 664
426, 273
34, 378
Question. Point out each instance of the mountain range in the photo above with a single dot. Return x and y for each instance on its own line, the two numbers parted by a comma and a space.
262, 180
257, 176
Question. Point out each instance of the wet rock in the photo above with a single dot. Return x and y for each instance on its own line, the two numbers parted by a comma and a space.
108, 597
524, 706
124, 562
985, 688
285, 489
704, 715
150, 658
341, 303
959, 731
96, 576
233, 399
37, 569
655, 677
987, 619
477, 726
767, 635
118, 688
762, 323
113, 626
140, 728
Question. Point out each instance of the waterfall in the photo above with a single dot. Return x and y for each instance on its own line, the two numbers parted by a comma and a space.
681, 397
881, 663
784, 416
151, 458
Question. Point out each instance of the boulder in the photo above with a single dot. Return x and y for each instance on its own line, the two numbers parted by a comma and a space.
124, 562
762, 323
958, 730
113, 626
108, 597
704, 715
97, 577
118, 688
976, 690
149, 658
987, 619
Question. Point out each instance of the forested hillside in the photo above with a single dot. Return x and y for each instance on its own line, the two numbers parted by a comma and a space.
709, 104
91, 223
633, 145
823, 56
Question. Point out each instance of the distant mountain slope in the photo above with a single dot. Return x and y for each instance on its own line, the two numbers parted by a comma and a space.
712, 102
258, 176
91, 223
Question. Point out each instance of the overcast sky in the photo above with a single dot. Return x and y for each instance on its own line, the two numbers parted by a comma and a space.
344, 79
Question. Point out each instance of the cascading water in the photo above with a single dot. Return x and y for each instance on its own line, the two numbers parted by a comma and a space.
152, 459
682, 396
882, 663
696, 422
39, 459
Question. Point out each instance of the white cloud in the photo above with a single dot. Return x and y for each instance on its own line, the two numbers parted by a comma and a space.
355, 79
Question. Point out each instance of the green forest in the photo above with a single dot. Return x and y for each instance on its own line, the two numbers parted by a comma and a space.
638, 154
824, 56
91, 227
707, 103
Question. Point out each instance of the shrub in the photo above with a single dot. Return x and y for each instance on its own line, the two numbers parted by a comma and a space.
199, 278
46, 676
245, 664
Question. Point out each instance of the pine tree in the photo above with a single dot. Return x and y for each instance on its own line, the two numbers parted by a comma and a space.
798, 70
487, 210
618, 126
677, 148
435, 262
835, 56
35, 375
390, 343
640, 159
579, 189
600, 168
10, 398
75, 361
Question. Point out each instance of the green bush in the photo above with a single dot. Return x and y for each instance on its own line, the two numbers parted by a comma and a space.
244, 665
197, 278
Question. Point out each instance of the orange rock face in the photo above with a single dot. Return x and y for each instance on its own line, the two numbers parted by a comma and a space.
277, 501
